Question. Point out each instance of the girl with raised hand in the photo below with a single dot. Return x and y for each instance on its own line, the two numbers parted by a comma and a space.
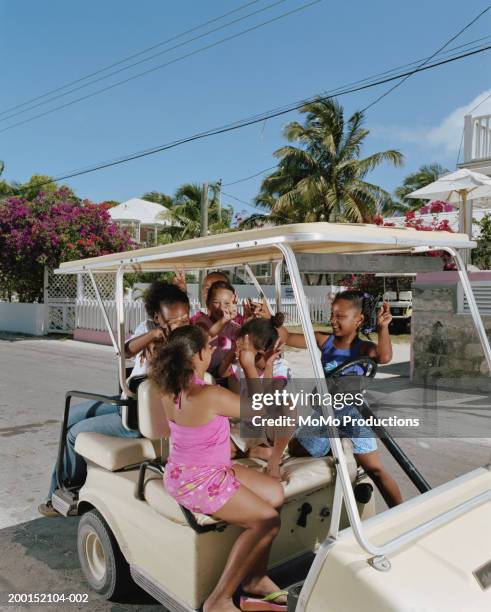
221, 320
351, 314
261, 338
199, 473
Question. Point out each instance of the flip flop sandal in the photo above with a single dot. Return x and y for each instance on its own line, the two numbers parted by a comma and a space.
252, 603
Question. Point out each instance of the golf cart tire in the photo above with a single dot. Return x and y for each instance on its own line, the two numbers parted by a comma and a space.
107, 573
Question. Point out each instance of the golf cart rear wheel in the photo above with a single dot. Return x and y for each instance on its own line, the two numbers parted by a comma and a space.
102, 562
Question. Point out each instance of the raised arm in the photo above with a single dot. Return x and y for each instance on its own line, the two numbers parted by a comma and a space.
138, 344
297, 340
224, 402
225, 369
382, 351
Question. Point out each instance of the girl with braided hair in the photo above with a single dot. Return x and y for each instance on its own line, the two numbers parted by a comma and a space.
351, 314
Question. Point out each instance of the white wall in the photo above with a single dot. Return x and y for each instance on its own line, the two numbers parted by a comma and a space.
23, 318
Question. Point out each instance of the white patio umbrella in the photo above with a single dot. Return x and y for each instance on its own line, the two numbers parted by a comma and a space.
459, 187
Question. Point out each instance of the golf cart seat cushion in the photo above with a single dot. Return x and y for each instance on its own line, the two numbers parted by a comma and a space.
152, 420
114, 453
158, 498
301, 475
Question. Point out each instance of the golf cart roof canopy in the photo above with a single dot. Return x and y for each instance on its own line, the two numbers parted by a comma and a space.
259, 245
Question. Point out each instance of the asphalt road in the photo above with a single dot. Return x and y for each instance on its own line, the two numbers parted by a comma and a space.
38, 555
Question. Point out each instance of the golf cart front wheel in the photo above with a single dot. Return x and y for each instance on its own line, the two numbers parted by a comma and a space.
101, 560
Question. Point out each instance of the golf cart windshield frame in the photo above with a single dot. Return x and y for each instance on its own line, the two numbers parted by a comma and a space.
286, 251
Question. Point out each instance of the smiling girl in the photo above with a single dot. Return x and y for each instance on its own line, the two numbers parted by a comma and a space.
350, 315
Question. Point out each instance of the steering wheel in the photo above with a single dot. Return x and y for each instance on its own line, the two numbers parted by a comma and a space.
368, 365
342, 380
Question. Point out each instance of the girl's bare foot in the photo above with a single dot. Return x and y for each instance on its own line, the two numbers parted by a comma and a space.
261, 452
222, 605
263, 586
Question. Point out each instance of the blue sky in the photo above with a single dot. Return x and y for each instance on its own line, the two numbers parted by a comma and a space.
46, 44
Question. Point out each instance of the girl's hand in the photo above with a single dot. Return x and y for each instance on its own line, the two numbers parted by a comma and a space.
247, 352
256, 310
227, 314
159, 334
179, 279
248, 310
273, 354
384, 316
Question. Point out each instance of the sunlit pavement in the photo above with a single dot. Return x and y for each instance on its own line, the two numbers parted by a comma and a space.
39, 554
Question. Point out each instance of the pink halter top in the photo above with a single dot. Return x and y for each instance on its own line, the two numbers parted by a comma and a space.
203, 445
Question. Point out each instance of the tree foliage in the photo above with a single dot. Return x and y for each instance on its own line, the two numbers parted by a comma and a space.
184, 215
426, 174
52, 228
481, 255
158, 198
324, 177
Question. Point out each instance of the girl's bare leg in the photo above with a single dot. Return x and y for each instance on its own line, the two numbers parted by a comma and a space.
261, 523
261, 452
388, 487
257, 582
274, 461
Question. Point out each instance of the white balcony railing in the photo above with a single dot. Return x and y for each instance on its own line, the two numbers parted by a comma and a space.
477, 138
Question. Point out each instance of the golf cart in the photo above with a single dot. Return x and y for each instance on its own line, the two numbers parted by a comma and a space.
400, 302
420, 555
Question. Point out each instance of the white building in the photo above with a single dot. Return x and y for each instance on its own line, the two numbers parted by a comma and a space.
141, 218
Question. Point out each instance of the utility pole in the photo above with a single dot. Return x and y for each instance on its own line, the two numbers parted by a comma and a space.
203, 230
219, 198
204, 211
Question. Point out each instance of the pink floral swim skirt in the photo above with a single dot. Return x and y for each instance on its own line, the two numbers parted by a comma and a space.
202, 489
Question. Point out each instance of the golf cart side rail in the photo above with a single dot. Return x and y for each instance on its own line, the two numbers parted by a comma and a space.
96, 397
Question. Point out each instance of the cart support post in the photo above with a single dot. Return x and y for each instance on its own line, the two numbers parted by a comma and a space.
104, 312
256, 284
121, 332
277, 284
476, 317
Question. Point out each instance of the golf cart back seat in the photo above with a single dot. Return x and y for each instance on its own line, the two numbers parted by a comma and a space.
301, 475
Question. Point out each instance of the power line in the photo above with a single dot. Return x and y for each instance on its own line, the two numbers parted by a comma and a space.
130, 57
391, 89
160, 66
256, 208
247, 122
147, 59
247, 178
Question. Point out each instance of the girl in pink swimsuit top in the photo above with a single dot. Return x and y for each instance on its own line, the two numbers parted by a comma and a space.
199, 473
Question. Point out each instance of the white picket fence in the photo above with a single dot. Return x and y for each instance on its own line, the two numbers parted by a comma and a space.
88, 314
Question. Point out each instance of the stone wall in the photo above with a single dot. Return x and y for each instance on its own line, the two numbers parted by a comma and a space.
444, 343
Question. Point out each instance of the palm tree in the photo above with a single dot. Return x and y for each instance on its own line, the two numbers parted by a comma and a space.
7, 188
426, 174
323, 179
185, 214
158, 198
